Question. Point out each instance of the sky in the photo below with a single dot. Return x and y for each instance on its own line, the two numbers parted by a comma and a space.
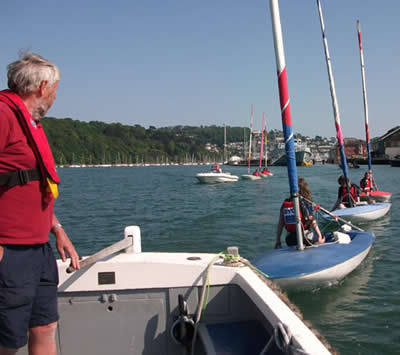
187, 62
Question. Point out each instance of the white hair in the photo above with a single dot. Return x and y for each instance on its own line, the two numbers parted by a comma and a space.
26, 74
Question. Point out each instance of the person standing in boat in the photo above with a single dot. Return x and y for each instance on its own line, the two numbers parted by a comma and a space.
28, 187
348, 196
287, 219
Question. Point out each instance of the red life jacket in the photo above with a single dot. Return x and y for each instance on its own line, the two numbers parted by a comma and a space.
289, 217
35, 135
344, 194
366, 185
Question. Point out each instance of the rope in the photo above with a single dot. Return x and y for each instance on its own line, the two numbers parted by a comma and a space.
282, 337
202, 304
337, 218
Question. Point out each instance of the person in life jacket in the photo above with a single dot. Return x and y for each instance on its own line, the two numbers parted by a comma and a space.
348, 196
287, 220
256, 173
265, 171
216, 168
365, 183
28, 187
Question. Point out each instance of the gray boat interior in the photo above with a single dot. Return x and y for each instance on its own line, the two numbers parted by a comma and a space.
143, 322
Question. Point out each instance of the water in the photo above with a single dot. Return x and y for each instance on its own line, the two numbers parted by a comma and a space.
361, 315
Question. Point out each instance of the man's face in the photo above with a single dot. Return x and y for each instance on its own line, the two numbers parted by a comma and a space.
51, 94
46, 101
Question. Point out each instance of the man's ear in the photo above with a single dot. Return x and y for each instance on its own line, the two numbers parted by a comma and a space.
42, 87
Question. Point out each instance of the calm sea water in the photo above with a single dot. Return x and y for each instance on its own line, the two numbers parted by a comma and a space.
361, 315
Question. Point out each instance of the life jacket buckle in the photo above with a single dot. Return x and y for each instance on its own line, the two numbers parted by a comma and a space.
23, 177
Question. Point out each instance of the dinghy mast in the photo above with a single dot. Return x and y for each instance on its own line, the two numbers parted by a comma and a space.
364, 97
335, 105
251, 133
286, 116
266, 146
262, 142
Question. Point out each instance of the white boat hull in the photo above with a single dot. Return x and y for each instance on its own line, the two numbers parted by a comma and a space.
130, 303
250, 177
216, 178
363, 213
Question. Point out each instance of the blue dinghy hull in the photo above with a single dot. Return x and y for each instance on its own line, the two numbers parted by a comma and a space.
318, 266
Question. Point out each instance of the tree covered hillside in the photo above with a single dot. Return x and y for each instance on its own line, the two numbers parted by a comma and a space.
78, 142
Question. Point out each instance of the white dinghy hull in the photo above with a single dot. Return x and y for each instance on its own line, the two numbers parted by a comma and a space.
216, 178
363, 213
250, 177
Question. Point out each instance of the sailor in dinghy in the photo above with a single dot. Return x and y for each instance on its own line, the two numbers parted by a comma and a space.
375, 193
348, 194
287, 220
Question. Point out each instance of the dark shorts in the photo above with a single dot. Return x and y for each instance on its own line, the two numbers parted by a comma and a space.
291, 239
28, 291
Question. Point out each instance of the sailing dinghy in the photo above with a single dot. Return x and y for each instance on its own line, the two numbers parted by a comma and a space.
249, 176
317, 265
375, 193
364, 212
125, 301
266, 171
262, 174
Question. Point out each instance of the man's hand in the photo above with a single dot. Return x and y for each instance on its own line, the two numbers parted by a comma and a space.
65, 247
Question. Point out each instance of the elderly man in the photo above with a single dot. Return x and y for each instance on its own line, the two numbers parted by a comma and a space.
28, 187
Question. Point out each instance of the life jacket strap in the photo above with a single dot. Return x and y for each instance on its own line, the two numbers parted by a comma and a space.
19, 177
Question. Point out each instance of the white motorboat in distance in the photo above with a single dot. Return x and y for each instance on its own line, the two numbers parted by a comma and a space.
174, 303
215, 177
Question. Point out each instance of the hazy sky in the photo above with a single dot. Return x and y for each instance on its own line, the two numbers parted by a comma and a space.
204, 62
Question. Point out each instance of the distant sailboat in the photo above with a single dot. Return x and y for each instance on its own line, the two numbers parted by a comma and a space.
249, 176
355, 213
265, 171
375, 193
